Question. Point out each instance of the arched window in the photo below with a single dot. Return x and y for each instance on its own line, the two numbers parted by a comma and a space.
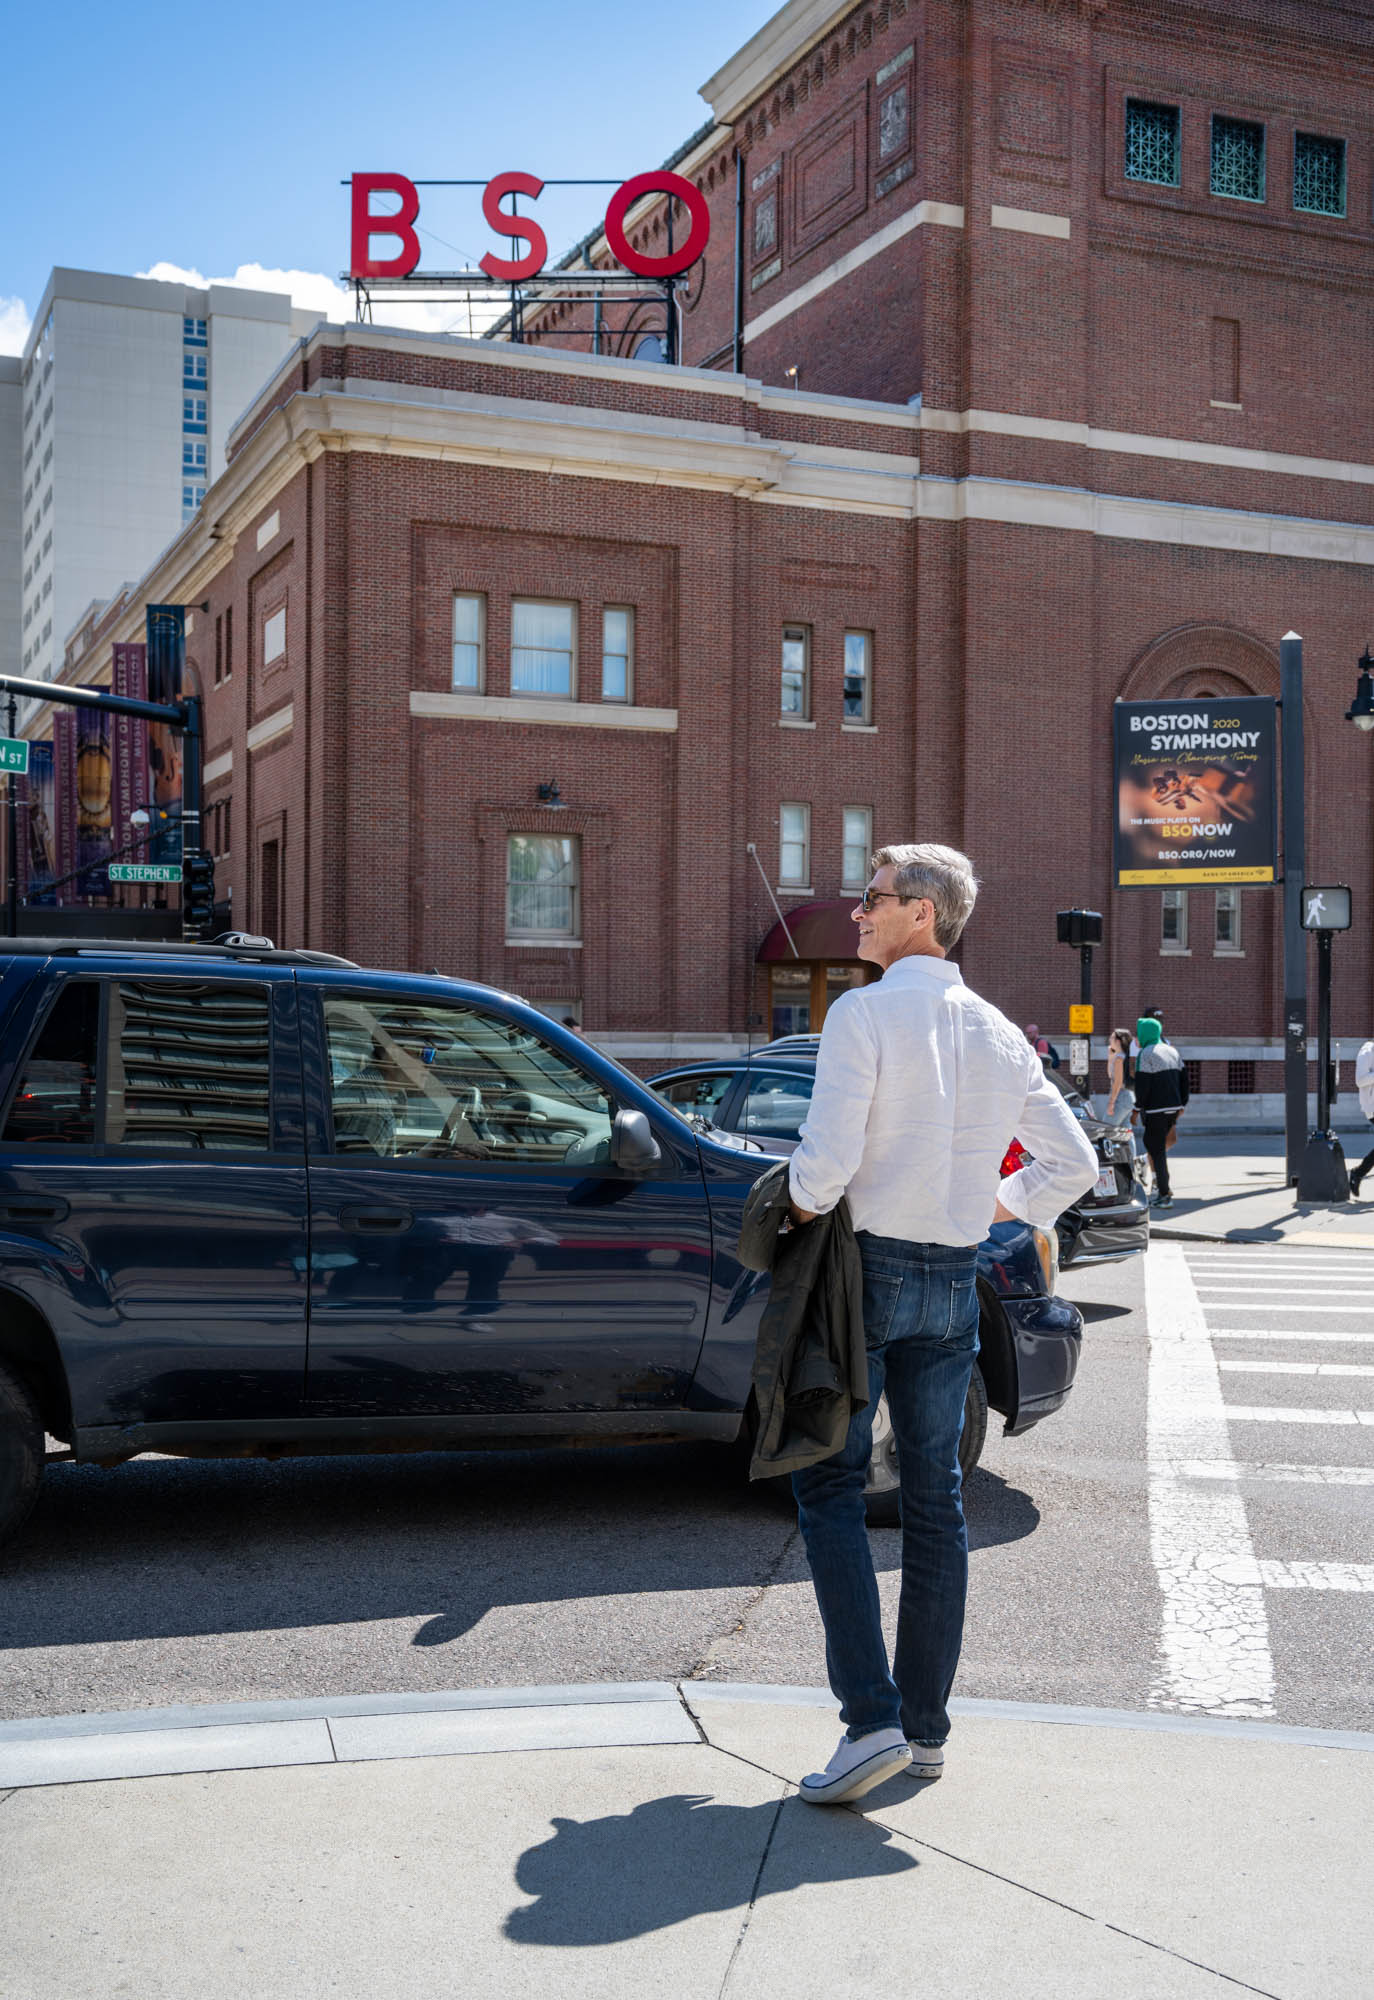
650, 348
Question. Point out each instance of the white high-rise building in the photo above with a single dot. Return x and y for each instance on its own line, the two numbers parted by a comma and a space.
126, 392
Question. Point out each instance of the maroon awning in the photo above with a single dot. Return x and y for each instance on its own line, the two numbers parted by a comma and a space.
821, 930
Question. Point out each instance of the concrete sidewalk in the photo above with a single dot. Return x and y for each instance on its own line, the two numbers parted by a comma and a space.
1231, 1188
648, 1840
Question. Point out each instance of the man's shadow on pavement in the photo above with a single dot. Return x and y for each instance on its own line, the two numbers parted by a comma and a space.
601, 1881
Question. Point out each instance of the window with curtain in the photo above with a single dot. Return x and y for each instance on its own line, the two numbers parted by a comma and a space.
794, 857
796, 664
617, 644
1173, 920
1227, 936
542, 883
858, 678
858, 836
542, 643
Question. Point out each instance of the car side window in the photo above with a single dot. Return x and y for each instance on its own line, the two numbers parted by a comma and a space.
411, 1080
705, 1094
188, 1066
776, 1103
55, 1102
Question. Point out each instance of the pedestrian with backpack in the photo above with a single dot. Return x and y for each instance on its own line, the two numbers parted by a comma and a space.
1161, 1092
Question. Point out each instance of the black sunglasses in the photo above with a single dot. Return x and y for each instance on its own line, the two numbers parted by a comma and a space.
872, 896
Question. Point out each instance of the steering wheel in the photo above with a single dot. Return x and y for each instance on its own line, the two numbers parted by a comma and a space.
467, 1105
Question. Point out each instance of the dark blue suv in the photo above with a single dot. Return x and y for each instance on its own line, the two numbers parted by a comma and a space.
264, 1202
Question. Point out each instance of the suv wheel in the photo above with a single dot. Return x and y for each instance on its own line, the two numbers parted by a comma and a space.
882, 1494
21, 1452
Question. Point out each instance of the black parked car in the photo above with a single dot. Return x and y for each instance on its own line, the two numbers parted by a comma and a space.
767, 1094
264, 1202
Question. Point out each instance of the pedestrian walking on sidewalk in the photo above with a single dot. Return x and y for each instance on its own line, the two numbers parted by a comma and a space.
920, 1087
1161, 1091
1364, 1083
1120, 1096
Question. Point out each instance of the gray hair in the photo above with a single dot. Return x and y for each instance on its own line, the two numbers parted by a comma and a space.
941, 873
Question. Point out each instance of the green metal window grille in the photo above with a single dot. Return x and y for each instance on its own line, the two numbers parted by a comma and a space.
1152, 142
1319, 174
1238, 159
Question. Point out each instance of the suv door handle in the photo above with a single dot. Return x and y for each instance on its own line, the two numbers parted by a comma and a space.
358, 1215
35, 1211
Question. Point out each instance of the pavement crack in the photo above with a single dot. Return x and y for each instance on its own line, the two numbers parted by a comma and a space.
693, 1718
754, 1892
752, 1603
1201, 1964
9, 1794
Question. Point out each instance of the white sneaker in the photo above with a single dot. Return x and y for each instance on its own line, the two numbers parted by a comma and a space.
927, 1760
856, 1768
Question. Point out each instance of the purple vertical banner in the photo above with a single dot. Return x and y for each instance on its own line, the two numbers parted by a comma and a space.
39, 824
94, 800
165, 626
64, 800
129, 677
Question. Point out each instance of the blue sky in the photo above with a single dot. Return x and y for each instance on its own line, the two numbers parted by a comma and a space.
210, 142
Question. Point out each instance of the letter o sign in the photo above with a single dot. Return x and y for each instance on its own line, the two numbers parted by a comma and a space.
624, 199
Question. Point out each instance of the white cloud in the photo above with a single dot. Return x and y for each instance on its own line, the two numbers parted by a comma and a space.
316, 292
14, 325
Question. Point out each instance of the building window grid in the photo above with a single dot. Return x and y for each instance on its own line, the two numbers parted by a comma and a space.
1237, 159
194, 332
1173, 920
1318, 174
794, 846
1227, 934
469, 640
193, 459
1240, 1078
796, 671
1193, 1070
1153, 148
857, 843
195, 369
193, 416
543, 650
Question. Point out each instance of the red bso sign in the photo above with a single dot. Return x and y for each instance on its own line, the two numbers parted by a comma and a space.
400, 225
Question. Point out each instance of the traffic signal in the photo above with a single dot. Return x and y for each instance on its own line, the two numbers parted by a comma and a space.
1078, 927
198, 888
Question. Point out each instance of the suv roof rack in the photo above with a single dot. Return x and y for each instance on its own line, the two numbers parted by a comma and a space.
233, 948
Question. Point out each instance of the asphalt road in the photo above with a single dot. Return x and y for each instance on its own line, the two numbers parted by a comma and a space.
171, 1581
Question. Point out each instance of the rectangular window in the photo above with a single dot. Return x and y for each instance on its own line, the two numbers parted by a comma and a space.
55, 1102
1152, 142
193, 458
1227, 936
542, 644
188, 1067
1173, 920
894, 122
1240, 1079
228, 640
796, 671
858, 678
858, 840
1238, 159
195, 371
193, 415
617, 648
191, 498
1318, 174
193, 332
219, 650
274, 637
1193, 1071
542, 884
469, 639
794, 852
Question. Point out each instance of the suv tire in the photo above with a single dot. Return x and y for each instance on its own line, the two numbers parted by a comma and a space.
21, 1452
882, 1493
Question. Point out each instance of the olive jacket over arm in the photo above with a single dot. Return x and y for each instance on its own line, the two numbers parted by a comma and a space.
811, 1360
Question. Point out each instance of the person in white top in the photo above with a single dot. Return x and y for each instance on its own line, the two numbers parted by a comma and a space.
921, 1086
1364, 1083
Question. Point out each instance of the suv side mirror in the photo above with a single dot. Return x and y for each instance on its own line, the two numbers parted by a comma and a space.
634, 1149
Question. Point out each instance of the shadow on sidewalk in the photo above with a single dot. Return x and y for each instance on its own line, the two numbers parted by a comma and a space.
601, 1881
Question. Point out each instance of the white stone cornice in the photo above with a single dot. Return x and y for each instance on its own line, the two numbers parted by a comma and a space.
271, 727
769, 54
439, 702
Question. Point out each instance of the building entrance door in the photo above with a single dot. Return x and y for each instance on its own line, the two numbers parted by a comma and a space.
802, 993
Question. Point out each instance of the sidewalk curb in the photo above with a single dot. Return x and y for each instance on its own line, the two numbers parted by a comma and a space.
1166, 1234
145, 1743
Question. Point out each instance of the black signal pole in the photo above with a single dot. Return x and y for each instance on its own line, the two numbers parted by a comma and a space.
12, 825
1294, 936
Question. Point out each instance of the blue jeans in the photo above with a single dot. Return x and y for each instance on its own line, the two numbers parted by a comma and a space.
921, 1327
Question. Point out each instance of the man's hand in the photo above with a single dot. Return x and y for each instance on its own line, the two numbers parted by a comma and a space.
801, 1215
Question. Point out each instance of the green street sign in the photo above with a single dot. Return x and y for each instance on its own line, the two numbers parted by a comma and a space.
145, 871
14, 755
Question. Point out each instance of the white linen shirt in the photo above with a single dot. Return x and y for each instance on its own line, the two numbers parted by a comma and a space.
920, 1087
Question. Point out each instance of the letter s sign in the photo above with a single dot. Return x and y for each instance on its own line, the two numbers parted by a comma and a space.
517, 227
366, 225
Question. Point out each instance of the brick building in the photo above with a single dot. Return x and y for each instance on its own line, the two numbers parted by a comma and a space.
1055, 332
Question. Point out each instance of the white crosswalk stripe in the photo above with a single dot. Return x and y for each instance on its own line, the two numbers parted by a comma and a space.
1283, 1475
1345, 1335
1294, 1368
1266, 1413
1355, 1312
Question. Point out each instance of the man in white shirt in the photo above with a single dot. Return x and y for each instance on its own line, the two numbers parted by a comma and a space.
1364, 1083
920, 1088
